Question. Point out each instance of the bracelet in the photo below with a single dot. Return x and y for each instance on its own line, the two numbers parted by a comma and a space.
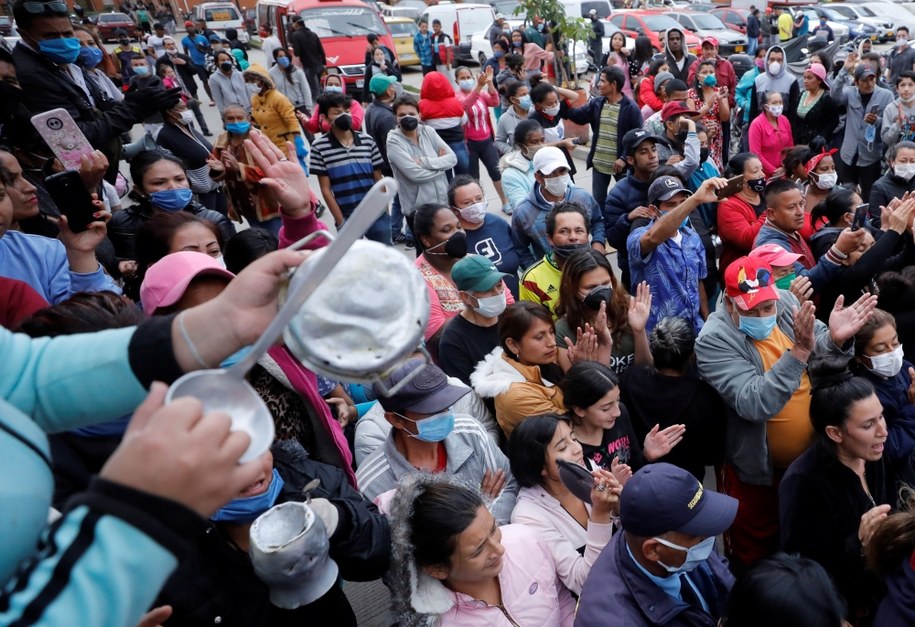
838, 253
190, 345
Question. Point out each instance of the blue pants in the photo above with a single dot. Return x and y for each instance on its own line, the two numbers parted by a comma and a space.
463, 158
380, 231
399, 225
752, 45
600, 183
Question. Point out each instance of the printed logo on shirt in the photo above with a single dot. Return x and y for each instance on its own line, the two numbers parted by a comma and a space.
488, 248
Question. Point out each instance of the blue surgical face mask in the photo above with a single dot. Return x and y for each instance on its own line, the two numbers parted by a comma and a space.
710, 80
283, 61
695, 555
141, 70
498, 54
172, 199
333, 89
239, 128
249, 508
758, 328
237, 355
466, 84
525, 102
90, 57
434, 428
60, 50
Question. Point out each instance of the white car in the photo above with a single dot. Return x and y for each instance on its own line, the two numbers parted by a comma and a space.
891, 12
860, 13
704, 25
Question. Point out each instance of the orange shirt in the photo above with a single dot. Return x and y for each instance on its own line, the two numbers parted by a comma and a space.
789, 432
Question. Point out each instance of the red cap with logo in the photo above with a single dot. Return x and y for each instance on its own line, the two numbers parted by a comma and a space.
749, 282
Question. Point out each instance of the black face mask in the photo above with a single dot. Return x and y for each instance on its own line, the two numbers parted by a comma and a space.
703, 155
409, 122
344, 121
454, 247
565, 250
226, 66
757, 185
124, 42
600, 294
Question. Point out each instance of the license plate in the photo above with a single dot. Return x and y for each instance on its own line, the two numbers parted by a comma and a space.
409, 56
360, 83
221, 16
738, 48
873, 38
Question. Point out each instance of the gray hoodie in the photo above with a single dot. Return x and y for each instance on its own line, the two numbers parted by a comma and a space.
679, 69
728, 360
781, 81
424, 181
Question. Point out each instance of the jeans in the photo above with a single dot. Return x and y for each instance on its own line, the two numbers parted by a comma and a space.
380, 231
311, 75
399, 225
463, 158
752, 45
600, 183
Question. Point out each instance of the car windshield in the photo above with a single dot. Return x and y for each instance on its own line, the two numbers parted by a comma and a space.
846, 12
343, 21
402, 28
833, 15
114, 17
221, 14
865, 11
707, 22
505, 7
657, 23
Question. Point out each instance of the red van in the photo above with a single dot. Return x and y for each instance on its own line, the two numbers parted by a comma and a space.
342, 26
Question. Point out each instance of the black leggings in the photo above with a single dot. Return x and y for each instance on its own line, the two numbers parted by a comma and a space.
486, 151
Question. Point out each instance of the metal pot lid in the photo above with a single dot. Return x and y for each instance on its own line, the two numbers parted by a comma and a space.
365, 318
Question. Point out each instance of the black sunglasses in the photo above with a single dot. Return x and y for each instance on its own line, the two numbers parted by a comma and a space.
55, 6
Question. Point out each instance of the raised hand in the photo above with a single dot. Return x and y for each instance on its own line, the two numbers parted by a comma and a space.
585, 347
639, 307
621, 471
845, 322
284, 179
658, 443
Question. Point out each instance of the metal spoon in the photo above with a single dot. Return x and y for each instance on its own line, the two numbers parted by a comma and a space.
226, 390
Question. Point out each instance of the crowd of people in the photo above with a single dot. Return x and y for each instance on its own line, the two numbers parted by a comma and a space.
713, 341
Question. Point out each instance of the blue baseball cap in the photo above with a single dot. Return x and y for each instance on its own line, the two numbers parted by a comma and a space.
662, 497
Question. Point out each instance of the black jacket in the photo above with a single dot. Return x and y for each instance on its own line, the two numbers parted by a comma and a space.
219, 580
885, 189
45, 86
186, 72
307, 47
820, 502
822, 120
122, 230
378, 122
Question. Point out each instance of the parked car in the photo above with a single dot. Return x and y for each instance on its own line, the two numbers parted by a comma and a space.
108, 23
884, 27
890, 12
402, 30
735, 19
410, 9
855, 28
461, 22
651, 24
481, 49
706, 25
222, 15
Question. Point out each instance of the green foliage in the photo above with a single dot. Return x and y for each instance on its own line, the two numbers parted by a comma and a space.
573, 29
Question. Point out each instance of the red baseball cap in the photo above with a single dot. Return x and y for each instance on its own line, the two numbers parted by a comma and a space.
675, 107
710, 40
749, 281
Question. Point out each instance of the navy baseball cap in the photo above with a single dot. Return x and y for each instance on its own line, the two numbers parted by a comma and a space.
662, 497
664, 188
428, 392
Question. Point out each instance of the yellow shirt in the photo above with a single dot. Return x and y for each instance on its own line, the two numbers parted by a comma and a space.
540, 283
785, 26
789, 432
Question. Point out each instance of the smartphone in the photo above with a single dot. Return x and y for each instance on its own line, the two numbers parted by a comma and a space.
875, 109
71, 197
860, 215
63, 137
734, 185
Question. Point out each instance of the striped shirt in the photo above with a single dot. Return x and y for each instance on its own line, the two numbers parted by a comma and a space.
349, 168
606, 151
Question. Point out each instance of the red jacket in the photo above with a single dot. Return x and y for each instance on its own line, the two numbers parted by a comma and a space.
724, 72
738, 226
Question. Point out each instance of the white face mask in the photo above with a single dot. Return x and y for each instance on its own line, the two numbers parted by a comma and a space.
695, 555
187, 118
491, 306
827, 180
557, 186
774, 67
775, 110
888, 364
474, 213
552, 111
904, 170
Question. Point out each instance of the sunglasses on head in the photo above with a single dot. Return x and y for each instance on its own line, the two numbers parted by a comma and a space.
46, 7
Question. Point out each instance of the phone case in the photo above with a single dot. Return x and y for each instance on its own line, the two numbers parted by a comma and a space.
577, 479
63, 136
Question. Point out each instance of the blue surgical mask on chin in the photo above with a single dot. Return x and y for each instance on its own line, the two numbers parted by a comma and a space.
434, 428
61, 50
249, 508
695, 554
757, 328
172, 199
237, 355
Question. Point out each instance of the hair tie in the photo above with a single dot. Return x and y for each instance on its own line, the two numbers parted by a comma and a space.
814, 161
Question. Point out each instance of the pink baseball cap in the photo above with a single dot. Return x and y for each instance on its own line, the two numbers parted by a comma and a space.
774, 255
167, 279
710, 40
819, 71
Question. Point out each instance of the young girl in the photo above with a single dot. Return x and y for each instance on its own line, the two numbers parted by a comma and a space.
602, 424
711, 102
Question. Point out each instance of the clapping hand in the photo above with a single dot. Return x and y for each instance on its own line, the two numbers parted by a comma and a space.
621, 471
639, 308
845, 322
659, 443
585, 347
